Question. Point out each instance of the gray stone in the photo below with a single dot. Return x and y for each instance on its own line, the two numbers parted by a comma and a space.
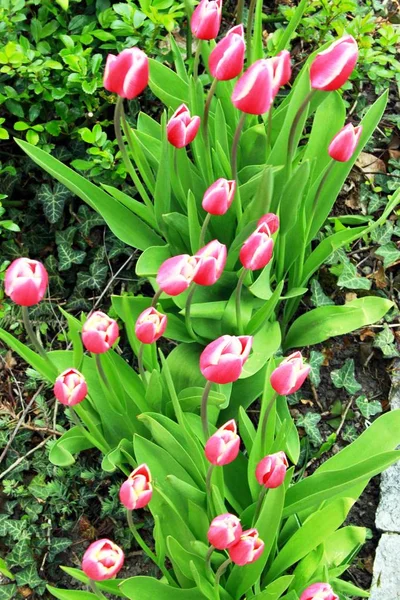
394, 397
388, 513
386, 578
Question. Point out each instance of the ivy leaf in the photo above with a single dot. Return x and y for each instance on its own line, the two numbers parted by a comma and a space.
294, 398
38, 487
16, 529
21, 555
58, 545
315, 362
309, 422
350, 279
338, 256
28, 576
389, 253
3, 524
368, 409
53, 198
318, 297
88, 219
7, 592
382, 235
385, 341
66, 236
67, 256
349, 433
344, 377
94, 279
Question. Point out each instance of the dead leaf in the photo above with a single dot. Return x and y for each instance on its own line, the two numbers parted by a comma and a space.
307, 402
370, 165
394, 154
350, 296
328, 355
353, 200
380, 278
9, 360
25, 591
365, 333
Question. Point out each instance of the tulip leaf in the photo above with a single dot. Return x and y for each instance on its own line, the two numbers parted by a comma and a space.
111, 586
284, 41
148, 588
44, 367
274, 590
71, 442
70, 594
163, 79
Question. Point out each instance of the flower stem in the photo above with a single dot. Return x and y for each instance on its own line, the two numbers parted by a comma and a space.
203, 410
196, 60
235, 145
156, 298
75, 417
249, 30
259, 504
219, 574
140, 364
95, 590
269, 128
318, 194
209, 491
188, 322
265, 421
238, 303
101, 371
209, 98
31, 334
293, 129
204, 230
239, 12
208, 557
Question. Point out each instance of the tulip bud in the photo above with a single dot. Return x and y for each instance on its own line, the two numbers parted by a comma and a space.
150, 325
176, 274
319, 591
206, 19
26, 281
136, 491
225, 530
248, 549
211, 263
99, 332
344, 143
227, 59
223, 446
253, 92
282, 67
102, 560
127, 74
271, 470
331, 68
290, 375
182, 128
271, 220
223, 359
70, 387
219, 196
256, 251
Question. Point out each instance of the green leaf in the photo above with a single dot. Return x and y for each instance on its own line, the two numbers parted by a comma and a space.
385, 341
318, 297
53, 198
21, 555
315, 362
148, 588
58, 545
8, 592
28, 576
167, 85
290, 29
349, 278
67, 256
309, 422
4, 569
344, 377
70, 594
390, 254
368, 409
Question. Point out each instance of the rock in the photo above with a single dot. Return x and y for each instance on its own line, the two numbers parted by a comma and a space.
388, 513
386, 580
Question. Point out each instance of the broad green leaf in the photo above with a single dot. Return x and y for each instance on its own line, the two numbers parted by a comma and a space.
70, 594
71, 442
284, 42
274, 590
44, 367
111, 586
149, 588
167, 85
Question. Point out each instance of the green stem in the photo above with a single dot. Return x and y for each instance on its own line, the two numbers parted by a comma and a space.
318, 195
203, 410
293, 130
249, 30
269, 128
182, 200
197, 60
188, 305
204, 230
208, 557
209, 98
156, 298
235, 144
239, 12
209, 499
140, 364
95, 590
265, 421
259, 504
75, 418
218, 576
31, 334
101, 371
238, 299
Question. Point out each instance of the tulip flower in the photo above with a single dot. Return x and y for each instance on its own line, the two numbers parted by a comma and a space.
219, 196
319, 591
99, 332
271, 470
127, 74
256, 251
210, 263
102, 560
223, 359
150, 325
343, 145
26, 281
248, 549
176, 274
331, 68
253, 92
223, 446
70, 387
206, 19
282, 68
227, 59
225, 531
136, 491
290, 375
271, 220
182, 128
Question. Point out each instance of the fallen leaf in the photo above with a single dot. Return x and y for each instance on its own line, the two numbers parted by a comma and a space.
380, 278
328, 355
308, 402
394, 154
350, 296
9, 360
365, 333
353, 200
370, 165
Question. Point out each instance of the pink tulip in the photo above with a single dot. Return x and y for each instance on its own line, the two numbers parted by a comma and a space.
223, 447
319, 591
150, 325
253, 92
176, 274
271, 470
26, 281
182, 128
206, 19
282, 67
99, 332
225, 530
290, 375
127, 74
248, 549
102, 560
332, 67
227, 59
271, 220
211, 263
136, 491
343, 145
219, 196
256, 251
223, 359
70, 387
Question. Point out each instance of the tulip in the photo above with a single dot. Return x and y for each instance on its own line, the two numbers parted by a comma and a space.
331, 68
182, 128
256, 251
206, 19
223, 359
282, 67
290, 375
26, 281
211, 263
219, 196
227, 59
150, 325
248, 549
136, 491
176, 274
127, 74
70, 387
223, 446
225, 530
253, 92
271, 220
271, 470
102, 560
99, 332
319, 591
345, 142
